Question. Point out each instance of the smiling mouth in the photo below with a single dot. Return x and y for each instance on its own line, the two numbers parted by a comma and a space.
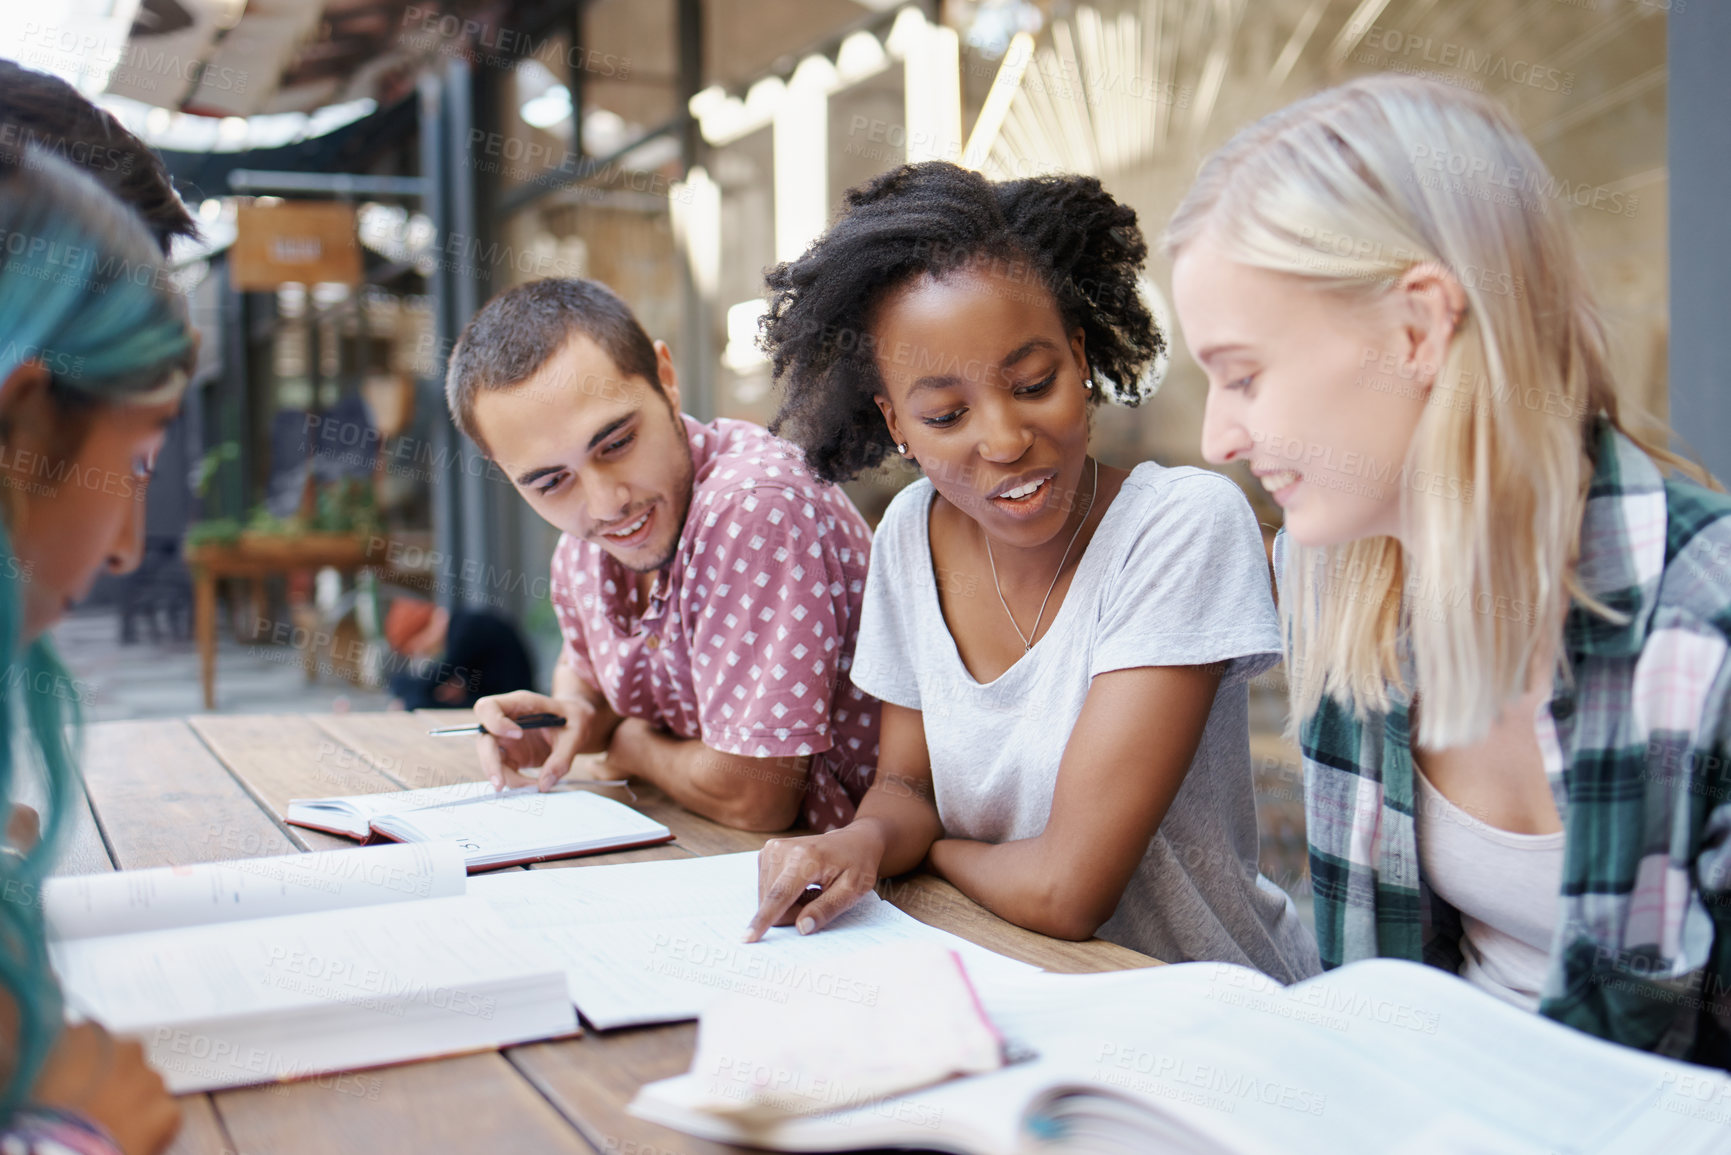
1026, 498
1275, 482
1028, 488
1023, 491
628, 530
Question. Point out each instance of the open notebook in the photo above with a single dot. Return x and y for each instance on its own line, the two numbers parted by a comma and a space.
280, 968
1381, 1056
494, 829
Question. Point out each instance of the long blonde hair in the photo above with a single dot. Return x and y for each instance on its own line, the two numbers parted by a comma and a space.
1349, 189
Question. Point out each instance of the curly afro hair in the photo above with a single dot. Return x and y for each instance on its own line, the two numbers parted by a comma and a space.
1066, 233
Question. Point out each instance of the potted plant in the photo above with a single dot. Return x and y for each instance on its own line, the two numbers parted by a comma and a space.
212, 531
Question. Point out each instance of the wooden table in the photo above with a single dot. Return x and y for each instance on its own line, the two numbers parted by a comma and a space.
258, 559
216, 787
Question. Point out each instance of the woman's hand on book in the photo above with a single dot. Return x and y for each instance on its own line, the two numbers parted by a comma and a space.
814, 879
106, 1080
507, 751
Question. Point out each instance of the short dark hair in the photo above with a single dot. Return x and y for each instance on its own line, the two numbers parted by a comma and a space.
1062, 235
46, 112
516, 333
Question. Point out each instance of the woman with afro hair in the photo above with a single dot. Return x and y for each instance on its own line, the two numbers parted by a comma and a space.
1060, 646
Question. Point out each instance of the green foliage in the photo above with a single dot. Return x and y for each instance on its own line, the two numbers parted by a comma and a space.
211, 464
263, 523
346, 506
213, 531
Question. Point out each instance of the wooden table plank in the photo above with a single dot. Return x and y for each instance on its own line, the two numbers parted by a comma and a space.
470, 1103
200, 1131
165, 800
81, 847
83, 851
594, 1079
396, 743
278, 757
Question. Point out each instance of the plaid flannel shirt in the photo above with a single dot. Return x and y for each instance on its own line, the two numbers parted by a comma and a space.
1638, 766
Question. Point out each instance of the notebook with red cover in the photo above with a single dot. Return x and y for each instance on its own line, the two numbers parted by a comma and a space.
493, 830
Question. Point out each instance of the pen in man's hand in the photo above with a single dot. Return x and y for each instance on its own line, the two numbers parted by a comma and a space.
526, 722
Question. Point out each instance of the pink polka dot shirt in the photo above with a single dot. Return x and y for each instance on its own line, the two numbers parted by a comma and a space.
749, 632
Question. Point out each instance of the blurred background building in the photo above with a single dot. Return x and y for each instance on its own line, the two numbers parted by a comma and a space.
368, 172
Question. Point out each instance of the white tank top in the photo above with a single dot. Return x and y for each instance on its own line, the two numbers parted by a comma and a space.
1505, 887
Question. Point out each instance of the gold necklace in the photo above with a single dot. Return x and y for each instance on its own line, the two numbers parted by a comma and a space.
1028, 638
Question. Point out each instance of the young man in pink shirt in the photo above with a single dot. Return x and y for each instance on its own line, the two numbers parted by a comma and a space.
707, 585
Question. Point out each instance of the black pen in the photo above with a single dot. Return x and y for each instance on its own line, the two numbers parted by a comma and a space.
526, 722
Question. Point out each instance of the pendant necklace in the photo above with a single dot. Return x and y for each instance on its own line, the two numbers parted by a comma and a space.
1028, 638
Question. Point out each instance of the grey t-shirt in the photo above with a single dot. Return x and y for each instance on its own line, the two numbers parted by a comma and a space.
1175, 575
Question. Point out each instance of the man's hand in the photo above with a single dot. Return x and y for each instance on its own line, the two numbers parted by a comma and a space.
814, 879
106, 1080
506, 751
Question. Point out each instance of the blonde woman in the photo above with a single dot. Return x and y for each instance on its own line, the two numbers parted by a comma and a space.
1507, 617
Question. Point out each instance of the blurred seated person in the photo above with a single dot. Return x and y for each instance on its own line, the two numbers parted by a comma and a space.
456, 656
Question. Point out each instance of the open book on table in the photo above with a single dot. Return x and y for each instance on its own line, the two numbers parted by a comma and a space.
278, 968
655, 942
1381, 1056
261, 969
494, 829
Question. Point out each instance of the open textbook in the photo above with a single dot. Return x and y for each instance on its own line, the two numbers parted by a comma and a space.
1381, 1056
494, 829
278, 968
655, 942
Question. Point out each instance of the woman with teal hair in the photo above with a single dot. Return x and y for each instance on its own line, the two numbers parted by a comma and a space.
94, 352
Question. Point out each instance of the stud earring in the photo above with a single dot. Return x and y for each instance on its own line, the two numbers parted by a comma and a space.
902, 448
1088, 385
